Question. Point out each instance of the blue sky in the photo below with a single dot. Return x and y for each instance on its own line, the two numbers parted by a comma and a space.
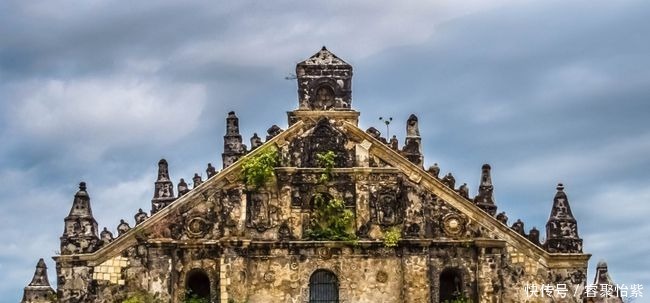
544, 91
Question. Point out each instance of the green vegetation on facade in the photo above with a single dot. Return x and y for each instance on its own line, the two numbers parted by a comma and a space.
461, 299
326, 161
141, 297
331, 220
257, 171
392, 237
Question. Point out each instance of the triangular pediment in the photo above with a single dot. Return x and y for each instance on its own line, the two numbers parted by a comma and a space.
383, 187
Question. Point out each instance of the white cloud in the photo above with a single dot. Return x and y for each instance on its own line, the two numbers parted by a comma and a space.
92, 115
112, 202
562, 164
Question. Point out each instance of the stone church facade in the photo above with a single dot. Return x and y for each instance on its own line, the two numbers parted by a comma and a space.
344, 216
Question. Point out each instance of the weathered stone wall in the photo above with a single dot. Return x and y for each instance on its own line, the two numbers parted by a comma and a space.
251, 243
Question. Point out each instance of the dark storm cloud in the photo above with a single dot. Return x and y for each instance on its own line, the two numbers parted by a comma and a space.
543, 91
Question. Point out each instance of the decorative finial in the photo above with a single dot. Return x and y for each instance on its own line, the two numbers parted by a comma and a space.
82, 186
560, 187
197, 180
324, 48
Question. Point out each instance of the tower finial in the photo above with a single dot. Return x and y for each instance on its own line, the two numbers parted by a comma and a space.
80, 227
163, 188
233, 149
39, 288
562, 227
485, 197
413, 144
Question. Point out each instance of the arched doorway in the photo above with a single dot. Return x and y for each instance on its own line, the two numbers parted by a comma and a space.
197, 285
323, 287
451, 285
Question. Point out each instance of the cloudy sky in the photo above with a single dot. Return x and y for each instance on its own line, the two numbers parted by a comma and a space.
545, 92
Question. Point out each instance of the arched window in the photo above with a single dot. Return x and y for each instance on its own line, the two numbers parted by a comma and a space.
323, 287
451, 284
197, 284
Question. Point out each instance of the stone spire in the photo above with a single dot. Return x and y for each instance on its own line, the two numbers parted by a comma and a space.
324, 82
39, 290
233, 149
163, 194
413, 144
562, 227
485, 199
603, 278
80, 232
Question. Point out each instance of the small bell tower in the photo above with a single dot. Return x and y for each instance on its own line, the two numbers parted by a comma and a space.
324, 88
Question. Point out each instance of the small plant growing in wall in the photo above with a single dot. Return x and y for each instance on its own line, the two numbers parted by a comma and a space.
392, 237
461, 299
141, 297
326, 160
193, 298
331, 220
257, 171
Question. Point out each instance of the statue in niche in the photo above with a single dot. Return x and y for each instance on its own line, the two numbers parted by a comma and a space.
87, 229
231, 211
387, 209
324, 98
78, 228
258, 214
163, 191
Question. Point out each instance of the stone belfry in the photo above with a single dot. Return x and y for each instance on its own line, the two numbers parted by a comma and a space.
233, 148
562, 227
39, 290
485, 197
324, 82
163, 194
80, 232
